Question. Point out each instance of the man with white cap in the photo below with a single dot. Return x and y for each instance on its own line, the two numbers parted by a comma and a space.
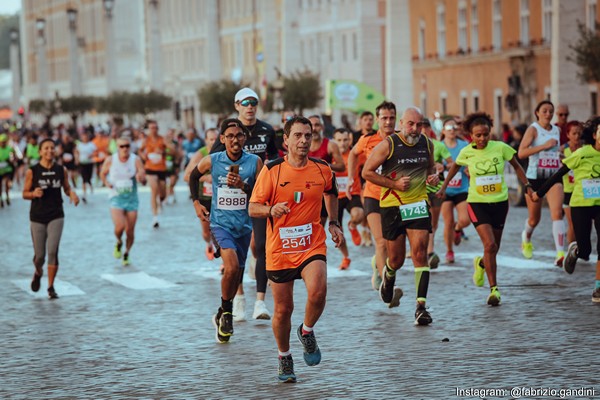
261, 142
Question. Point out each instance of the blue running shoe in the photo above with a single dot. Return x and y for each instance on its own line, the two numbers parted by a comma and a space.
312, 354
286, 369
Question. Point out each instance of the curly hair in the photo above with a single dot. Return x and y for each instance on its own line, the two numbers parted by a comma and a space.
477, 118
589, 130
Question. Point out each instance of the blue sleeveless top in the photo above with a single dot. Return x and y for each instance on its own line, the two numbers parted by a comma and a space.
229, 208
460, 182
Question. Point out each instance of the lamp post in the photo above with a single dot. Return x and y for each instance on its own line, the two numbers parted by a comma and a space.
156, 79
278, 87
40, 25
16, 71
110, 45
74, 53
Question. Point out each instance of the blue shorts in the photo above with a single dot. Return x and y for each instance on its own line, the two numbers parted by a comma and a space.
125, 203
225, 240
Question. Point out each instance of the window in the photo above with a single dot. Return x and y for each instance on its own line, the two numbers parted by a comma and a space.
344, 53
475, 95
463, 101
421, 39
331, 57
424, 103
444, 103
548, 92
594, 102
497, 25
547, 21
354, 46
525, 22
474, 26
462, 26
441, 30
498, 110
591, 10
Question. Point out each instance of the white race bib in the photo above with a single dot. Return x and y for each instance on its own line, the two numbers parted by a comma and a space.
412, 211
549, 160
571, 176
169, 164
123, 186
490, 184
155, 158
207, 189
231, 199
591, 188
456, 181
342, 182
296, 239
67, 157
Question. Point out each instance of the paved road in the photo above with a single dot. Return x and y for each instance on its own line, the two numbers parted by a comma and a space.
144, 331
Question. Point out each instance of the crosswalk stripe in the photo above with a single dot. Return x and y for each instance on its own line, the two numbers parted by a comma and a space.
138, 281
63, 288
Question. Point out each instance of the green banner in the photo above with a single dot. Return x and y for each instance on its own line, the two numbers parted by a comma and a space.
346, 94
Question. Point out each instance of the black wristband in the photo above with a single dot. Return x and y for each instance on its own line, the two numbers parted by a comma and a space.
334, 223
527, 185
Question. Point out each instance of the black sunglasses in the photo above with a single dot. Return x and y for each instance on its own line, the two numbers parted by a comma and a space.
249, 102
124, 146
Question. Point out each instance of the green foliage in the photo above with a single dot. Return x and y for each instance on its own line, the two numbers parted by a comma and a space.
134, 103
78, 104
586, 54
7, 22
217, 97
301, 90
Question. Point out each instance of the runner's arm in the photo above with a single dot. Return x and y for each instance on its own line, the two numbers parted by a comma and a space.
524, 148
556, 178
67, 188
140, 172
377, 157
28, 194
338, 161
104, 172
192, 165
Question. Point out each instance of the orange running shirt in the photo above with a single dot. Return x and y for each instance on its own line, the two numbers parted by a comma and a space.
342, 180
155, 154
299, 235
365, 146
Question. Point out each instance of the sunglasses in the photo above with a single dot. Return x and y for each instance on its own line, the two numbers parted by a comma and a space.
563, 115
249, 102
124, 146
449, 128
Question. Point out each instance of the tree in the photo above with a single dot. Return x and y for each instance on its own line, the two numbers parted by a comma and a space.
586, 54
217, 97
119, 103
77, 106
301, 90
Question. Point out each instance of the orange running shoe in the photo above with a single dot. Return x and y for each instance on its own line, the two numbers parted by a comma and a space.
345, 263
356, 239
210, 252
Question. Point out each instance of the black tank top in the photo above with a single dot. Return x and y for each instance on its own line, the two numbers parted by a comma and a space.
49, 206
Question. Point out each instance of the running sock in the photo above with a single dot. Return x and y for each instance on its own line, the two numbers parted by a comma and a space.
558, 232
227, 305
597, 283
284, 353
306, 329
421, 283
528, 231
390, 272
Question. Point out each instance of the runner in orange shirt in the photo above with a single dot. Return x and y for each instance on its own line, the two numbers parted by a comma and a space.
101, 141
353, 205
386, 118
289, 192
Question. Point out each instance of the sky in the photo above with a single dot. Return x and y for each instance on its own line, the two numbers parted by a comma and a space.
9, 6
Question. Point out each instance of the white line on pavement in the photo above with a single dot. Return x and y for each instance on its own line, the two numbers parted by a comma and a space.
138, 281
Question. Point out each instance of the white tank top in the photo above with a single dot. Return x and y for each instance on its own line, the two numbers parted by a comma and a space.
122, 176
545, 163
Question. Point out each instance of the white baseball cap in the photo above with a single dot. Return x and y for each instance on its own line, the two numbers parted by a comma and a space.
244, 94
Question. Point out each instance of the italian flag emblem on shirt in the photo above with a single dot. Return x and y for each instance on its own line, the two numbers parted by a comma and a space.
298, 197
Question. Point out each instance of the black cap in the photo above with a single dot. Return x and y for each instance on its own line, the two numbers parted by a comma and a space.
426, 122
232, 122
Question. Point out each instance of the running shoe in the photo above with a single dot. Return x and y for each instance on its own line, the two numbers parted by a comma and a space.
560, 256
375, 277
125, 261
596, 295
457, 236
450, 257
223, 326
356, 239
209, 252
433, 260
345, 263
386, 289
478, 272
571, 258
117, 250
7, 201
494, 297
526, 246
239, 308
286, 369
398, 293
155, 223
312, 354
52, 295
35, 282
84, 200
422, 316
260, 310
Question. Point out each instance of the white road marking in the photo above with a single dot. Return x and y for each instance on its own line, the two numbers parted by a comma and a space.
138, 281
63, 288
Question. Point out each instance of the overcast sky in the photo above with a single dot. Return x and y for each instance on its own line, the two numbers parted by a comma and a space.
9, 6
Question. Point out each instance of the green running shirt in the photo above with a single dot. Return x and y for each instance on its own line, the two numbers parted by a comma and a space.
585, 163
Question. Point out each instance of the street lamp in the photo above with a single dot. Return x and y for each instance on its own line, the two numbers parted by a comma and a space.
73, 52
108, 7
110, 45
278, 87
156, 80
16, 70
40, 25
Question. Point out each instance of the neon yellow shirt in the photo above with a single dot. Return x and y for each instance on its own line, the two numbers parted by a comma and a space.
486, 169
568, 179
585, 163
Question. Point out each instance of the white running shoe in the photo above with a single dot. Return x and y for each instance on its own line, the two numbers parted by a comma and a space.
239, 308
155, 223
260, 310
252, 267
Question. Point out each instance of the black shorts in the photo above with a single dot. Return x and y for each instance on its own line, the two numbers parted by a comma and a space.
392, 225
434, 201
346, 204
567, 199
70, 165
86, 171
291, 274
457, 198
536, 184
162, 175
206, 202
493, 214
371, 205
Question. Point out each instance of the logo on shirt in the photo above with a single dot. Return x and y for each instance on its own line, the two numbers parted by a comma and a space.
298, 197
487, 167
284, 184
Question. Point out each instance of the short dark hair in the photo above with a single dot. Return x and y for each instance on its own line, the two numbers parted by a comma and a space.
44, 141
475, 119
287, 128
341, 130
385, 105
589, 130
232, 122
539, 105
366, 114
